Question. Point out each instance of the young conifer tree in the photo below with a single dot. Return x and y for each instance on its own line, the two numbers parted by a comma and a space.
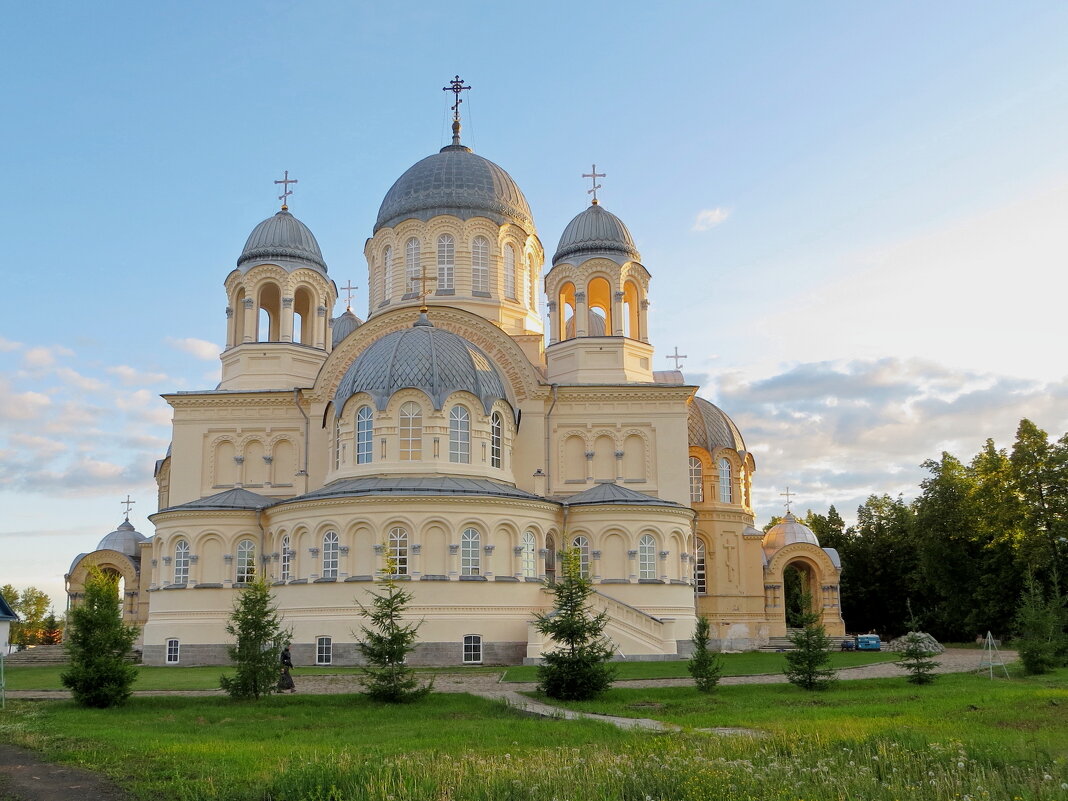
808, 665
917, 653
705, 666
578, 668
386, 643
1041, 639
256, 655
98, 643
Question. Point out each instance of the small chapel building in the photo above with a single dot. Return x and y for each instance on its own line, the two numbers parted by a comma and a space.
448, 434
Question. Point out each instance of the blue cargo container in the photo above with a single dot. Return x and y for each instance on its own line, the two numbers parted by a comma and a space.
869, 642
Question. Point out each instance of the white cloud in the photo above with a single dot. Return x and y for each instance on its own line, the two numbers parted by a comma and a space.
21, 405
7, 345
128, 375
44, 355
200, 348
76, 379
710, 218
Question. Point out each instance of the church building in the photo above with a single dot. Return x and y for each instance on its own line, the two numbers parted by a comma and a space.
451, 436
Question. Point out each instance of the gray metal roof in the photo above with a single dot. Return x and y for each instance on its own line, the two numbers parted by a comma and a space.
344, 325
6, 612
710, 428
416, 485
282, 238
614, 493
124, 539
434, 360
458, 182
788, 532
596, 232
236, 498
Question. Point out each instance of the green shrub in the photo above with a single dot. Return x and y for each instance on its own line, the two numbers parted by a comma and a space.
705, 666
1041, 640
808, 665
257, 653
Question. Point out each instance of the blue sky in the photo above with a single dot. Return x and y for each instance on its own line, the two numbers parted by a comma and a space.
854, 214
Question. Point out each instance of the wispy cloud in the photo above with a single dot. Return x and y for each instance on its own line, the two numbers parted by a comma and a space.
200, 348
8, 345
710, 218
41, 356
129, 376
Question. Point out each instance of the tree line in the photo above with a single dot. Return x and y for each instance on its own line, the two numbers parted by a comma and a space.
37, 623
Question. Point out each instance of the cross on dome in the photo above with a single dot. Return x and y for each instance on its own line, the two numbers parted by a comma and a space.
127, 503
787, 495
676, 356
593, 175
423, 279
349, 289
456, 86
286, 191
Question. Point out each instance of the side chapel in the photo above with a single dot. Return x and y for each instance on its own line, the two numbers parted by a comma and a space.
447, 432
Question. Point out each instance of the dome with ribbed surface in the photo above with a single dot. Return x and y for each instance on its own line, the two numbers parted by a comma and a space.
125, 539
282, 238
436, 361
342, 326
711, 428
788, 532
455, 181
596, 232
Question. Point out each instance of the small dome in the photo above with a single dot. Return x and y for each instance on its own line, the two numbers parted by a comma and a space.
343, 326
788, 532
422, 357
124, 539
283, 237
710, 428
458, 182
596, 232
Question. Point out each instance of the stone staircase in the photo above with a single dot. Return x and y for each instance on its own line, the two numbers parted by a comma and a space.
780, 643
38, 655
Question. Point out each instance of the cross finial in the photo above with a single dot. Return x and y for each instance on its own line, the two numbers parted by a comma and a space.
593, 175
423, 279
349, 289
127, 503
456, 85
676, 356
787, 495
286, 191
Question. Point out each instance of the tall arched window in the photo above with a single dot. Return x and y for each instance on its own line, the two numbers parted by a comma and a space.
529, 564
337, 442
460, 435
697, 493
647, 557
495, 439
411, 265
480, 264
398, 550
550, 558
533, 282
725, 493
411, 432
246, 562
364, 435
523, 289
387, 273
181, 562
446, 261
470, 553
700, 569
509, 272
331, 548
583, 546
285, 571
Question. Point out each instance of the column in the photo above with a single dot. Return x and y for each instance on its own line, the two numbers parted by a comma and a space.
617, 314
582, 314
554, 323
251, 320
643, 321
286, 327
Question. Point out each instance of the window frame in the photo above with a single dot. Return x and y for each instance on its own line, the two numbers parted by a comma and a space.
471, 552
331, 556
319, 650
285, 559
364, 435
410, 432
480, 264
411, 263
700, 568
509, 272
176, 651
471, 642
387, 273
398, 549
726, 480
459, 434
697, 477
647, 557
582, 543
181, 562
246, 562
528, 561
446, 262
496, 430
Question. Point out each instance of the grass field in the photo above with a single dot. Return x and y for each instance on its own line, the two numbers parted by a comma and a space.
965, 737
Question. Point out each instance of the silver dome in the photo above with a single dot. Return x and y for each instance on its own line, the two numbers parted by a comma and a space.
284, 237
710, 428
436, 361
124, 539
458, 182
596, 232
788, 532
342, 326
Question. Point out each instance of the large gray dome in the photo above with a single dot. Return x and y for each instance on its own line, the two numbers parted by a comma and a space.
711, 428
596, 232
788, 532
422, 357
458, 182
124, 539
283, 237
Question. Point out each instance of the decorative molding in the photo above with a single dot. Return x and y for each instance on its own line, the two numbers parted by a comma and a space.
249, 303
453, 549
417, 549
379, 548
287, 303
229, 312
488, 548
595, 555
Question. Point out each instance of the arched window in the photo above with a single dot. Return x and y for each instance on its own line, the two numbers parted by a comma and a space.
646, 557
459, 435
480, 264
524, 287
365, 431
529, 564
285, 572
411, 432
700, 569
387, 273
550, 558
726, 495
246, 562
533, 282
331, 548
337, 442
411, 265
470, 553
509, 272
398, 550
495, 439
583, 546
446, 261
697, 493
181, 562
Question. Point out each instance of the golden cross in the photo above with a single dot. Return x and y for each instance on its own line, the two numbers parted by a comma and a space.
788, 495
423, 279
286, 191
349, 288
593, 175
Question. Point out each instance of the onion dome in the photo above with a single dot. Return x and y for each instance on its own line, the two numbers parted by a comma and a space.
455, 181
710, 428
124, 539
282, 239
343, 326
423, 357
596, 232
788, 532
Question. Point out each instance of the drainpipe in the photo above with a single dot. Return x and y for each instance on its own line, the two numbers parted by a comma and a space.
304, 470
548, 437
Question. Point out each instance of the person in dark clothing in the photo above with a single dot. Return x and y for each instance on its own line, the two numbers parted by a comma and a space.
285, 680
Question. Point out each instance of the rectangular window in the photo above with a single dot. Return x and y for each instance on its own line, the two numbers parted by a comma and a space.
172, 652
472, 649
324, 651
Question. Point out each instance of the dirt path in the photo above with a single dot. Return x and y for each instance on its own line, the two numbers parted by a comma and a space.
24, 777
